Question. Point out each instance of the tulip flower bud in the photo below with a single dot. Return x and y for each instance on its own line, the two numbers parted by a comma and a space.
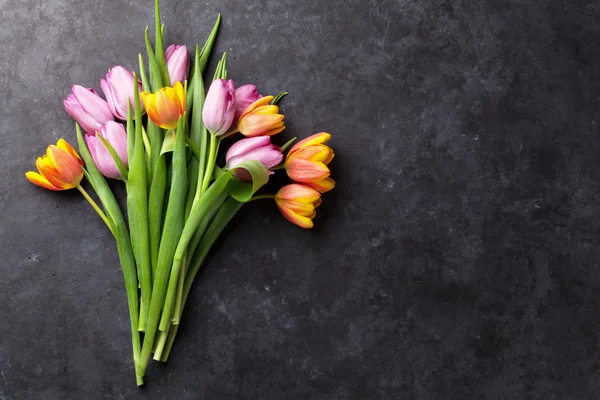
87, 108
59, 169
116, 135
165, 106
244, 96
261, 119
118, 89
219, 107
297, 203
258, 149
178, 63
307, 161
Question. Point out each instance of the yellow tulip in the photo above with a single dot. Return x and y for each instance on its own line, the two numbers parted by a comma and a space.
165, 106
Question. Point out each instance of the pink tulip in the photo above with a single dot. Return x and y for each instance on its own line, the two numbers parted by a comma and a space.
257, 148
87, 108
219, 107
178, 63
118, 89
115, 134
244, 96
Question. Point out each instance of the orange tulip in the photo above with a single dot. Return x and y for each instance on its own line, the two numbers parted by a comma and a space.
307, 161
261, 119
59, 169
297, 204
165, 106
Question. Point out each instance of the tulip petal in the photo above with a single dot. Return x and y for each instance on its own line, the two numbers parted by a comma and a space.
318, 152
322, 186
168, 111
66, 165
302, 222
179, 98
47, 169
257, 124
39, 180
317, 138
298, 193
258, 103
63, 144
306, 171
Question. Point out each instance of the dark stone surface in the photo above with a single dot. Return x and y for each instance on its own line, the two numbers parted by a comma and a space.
456, 259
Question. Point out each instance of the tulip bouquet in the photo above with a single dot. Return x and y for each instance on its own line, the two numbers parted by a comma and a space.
162, 134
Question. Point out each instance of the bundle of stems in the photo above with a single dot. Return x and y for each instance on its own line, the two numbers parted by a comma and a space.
178, 201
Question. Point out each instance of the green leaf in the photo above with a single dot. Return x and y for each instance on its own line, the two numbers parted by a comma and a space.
113, 153
278, 98
288, 144
145, 83
243, 191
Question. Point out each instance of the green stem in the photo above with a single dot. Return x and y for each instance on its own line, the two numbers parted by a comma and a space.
195, 149
210, 164
262, 196
95, 207
226, 212
160, 344
142, 320
172, 230
123, 247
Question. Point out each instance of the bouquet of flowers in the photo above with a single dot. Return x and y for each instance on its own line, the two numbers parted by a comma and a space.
160, 132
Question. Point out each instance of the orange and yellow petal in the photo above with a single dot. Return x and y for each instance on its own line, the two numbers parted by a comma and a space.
318, 152
322, 186
306, 171
258, 103
63, 144
179, 97
259, 124
317, 138
302, 222
66, 165
39, 180
298, 193
48, 171
274, 131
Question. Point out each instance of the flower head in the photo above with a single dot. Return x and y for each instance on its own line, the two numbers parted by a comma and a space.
165, 106
87, 108
59, 169
261, 119
259, 149
307, 161
297, 203
178, 63
219, 107
116, 135
118, 89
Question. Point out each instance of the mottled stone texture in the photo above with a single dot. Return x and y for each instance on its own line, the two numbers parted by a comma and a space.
456, 259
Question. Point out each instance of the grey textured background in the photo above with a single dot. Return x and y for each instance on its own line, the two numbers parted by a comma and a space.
456, 259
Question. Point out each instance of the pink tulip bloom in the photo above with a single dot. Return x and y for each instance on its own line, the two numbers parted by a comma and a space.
257, 148
178, 63
118, 89
219, 107
87, 108
116, 135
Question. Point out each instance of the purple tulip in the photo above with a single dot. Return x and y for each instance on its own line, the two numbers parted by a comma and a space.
257, 148
87, 108
115, 134
244, 96
219, 107
118, 88
178, 63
